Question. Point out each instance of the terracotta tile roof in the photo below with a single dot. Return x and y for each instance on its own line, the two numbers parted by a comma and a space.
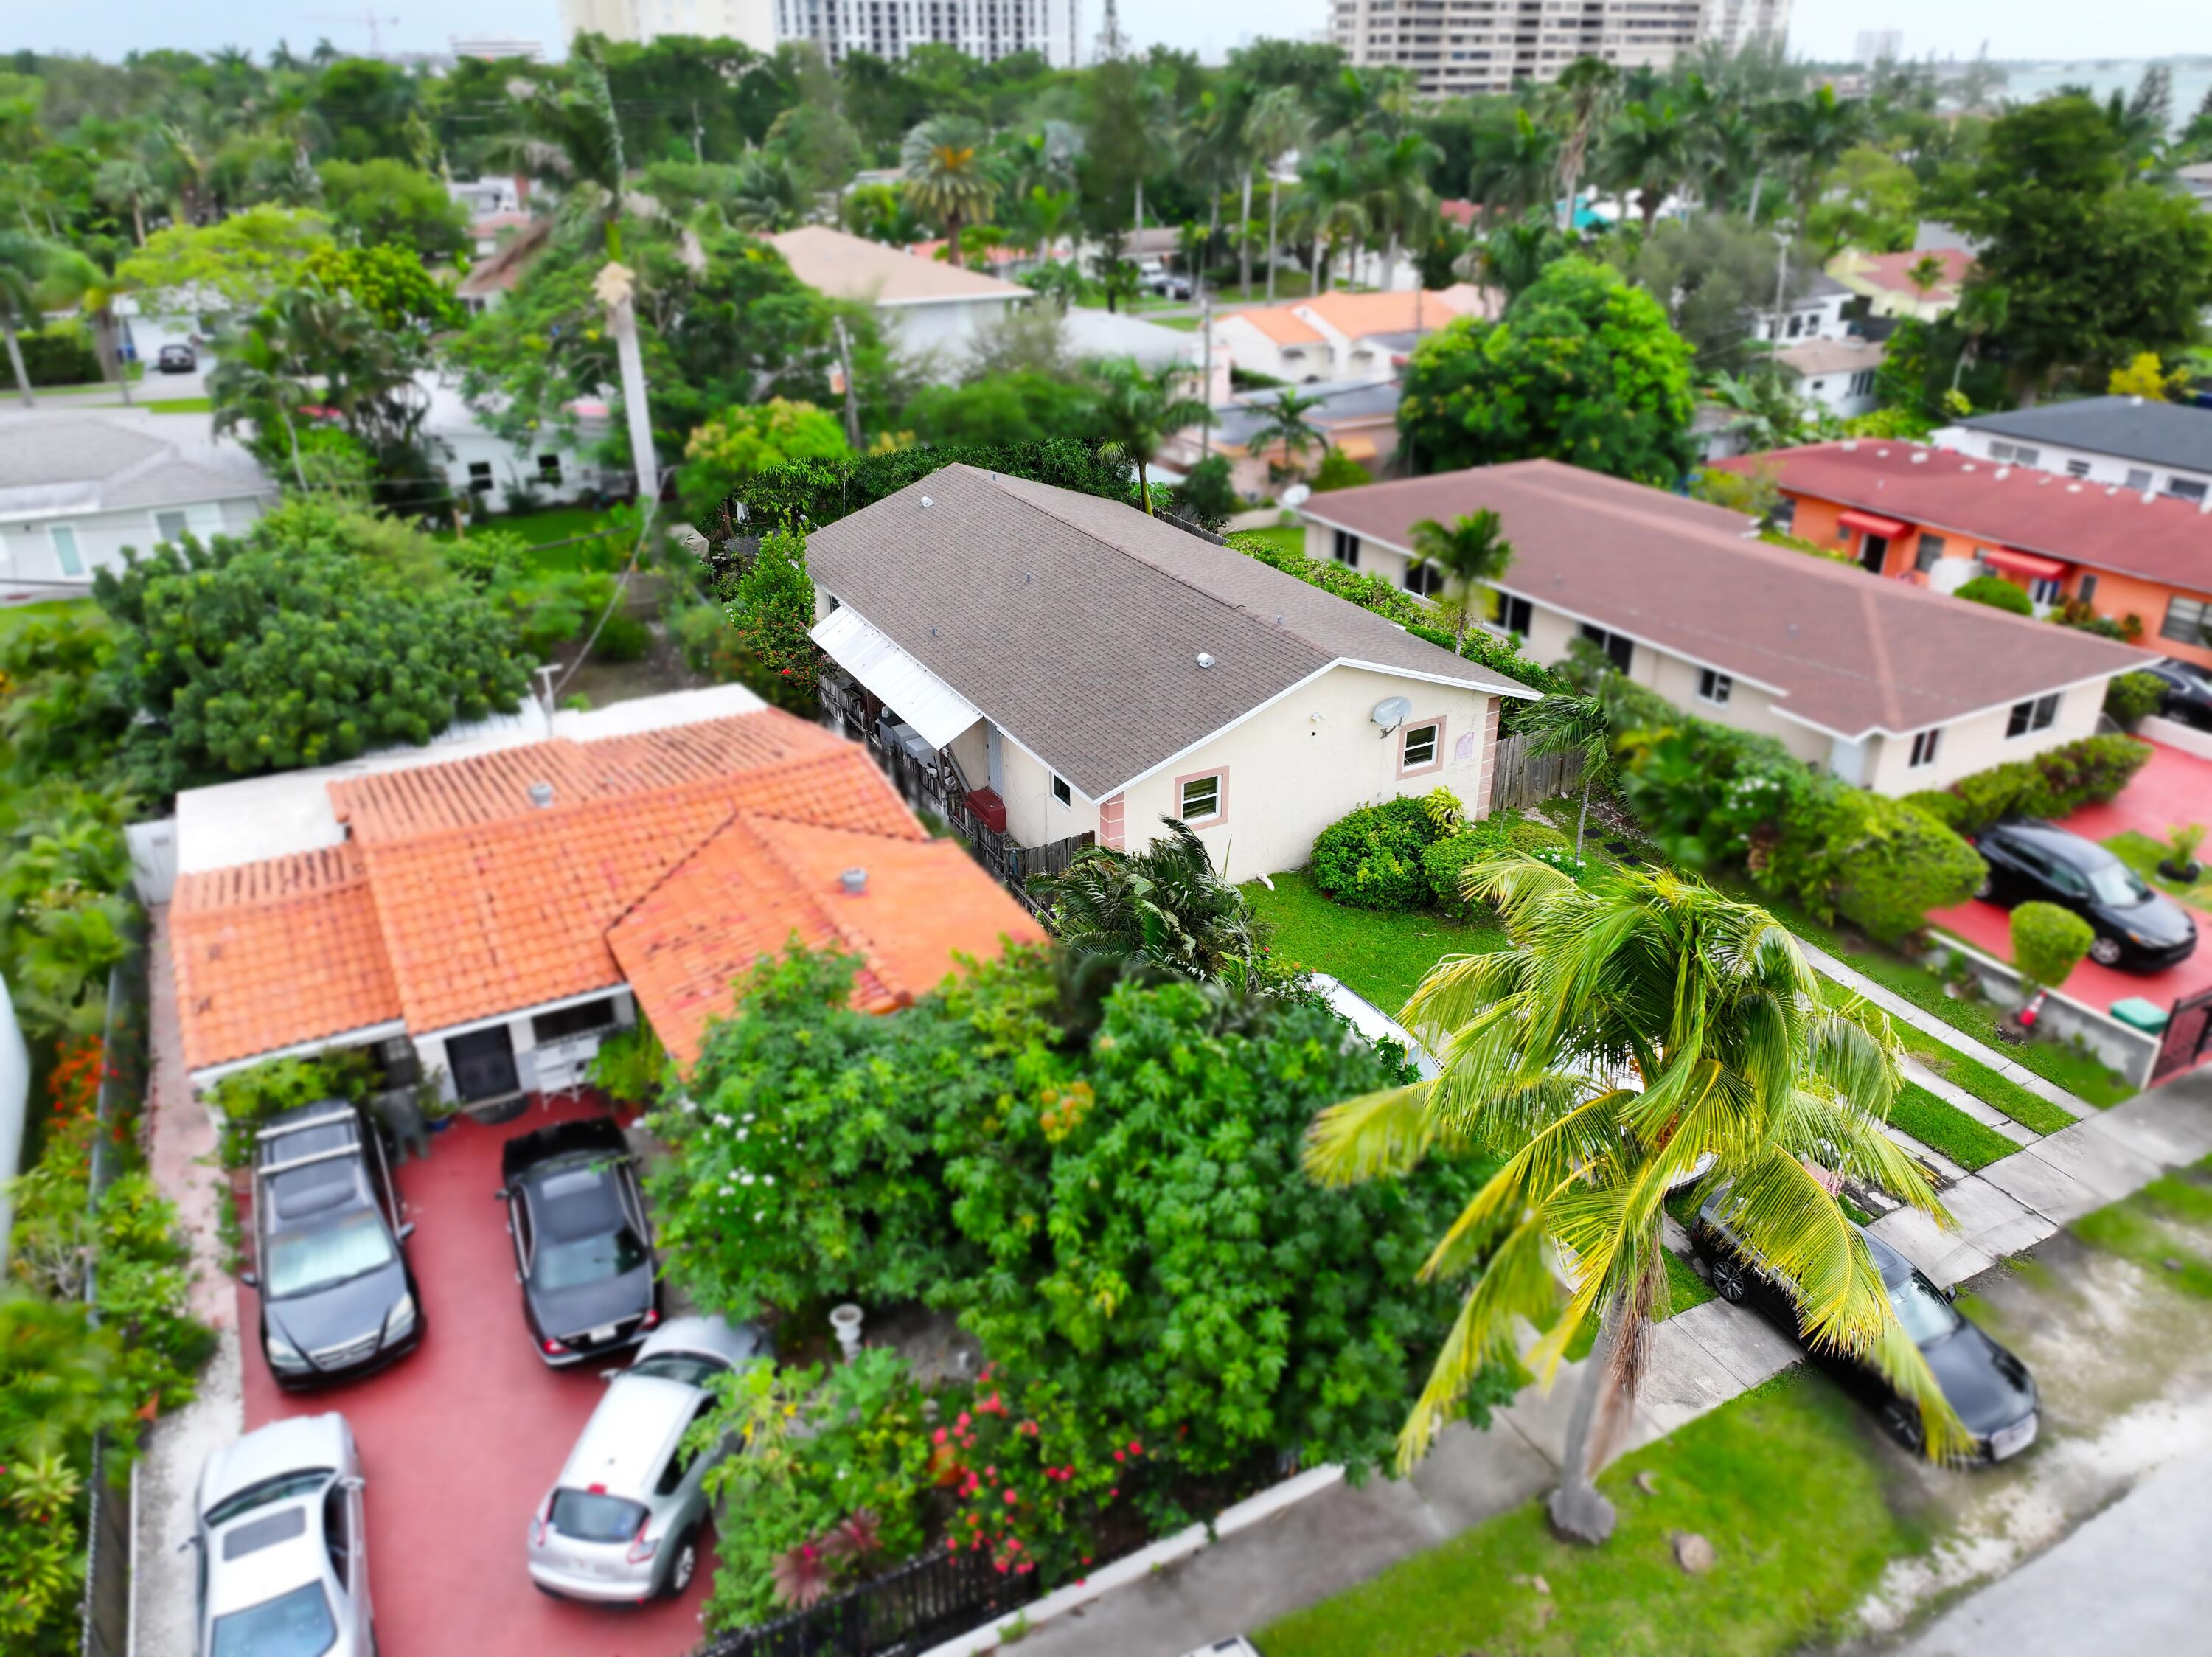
271, 953
760, 881
1358, 315
1891, 272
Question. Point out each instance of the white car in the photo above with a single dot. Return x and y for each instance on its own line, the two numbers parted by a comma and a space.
283, 1560
1372, 1022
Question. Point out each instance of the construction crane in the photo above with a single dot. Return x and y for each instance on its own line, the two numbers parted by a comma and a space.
366, 14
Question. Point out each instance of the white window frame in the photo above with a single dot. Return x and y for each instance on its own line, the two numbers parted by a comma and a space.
1924, 744
1219, 778
2041, 714
1715, 686
1062, 792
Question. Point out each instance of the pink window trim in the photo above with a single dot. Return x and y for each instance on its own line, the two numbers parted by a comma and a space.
1221, 815
1437, 764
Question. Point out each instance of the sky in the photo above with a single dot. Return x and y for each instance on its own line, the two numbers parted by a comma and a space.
1820, 29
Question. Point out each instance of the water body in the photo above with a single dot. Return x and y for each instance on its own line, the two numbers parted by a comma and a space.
2028, 82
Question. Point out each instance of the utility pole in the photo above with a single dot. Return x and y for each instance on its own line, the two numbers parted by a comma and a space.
852, 397
614, 288
1781, 286
1206, 379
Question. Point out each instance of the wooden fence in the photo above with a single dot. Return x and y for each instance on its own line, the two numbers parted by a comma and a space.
1522, 779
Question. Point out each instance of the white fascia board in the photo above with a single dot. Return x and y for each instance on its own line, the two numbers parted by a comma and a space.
619, 987
208, 1075
1676, 651
1945, 723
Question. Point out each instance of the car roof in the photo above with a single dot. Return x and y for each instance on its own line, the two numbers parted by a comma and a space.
1893, 1266
269, 1552
2078, 853
626, 1442
715, 1336
597, 1135
292, 1446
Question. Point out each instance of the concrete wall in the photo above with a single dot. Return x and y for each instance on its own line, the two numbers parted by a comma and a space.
29, 550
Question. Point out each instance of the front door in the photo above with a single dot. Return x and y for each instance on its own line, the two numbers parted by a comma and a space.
482, 1064
1874, 552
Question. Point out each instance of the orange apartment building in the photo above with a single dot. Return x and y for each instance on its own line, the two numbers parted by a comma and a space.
1936, 518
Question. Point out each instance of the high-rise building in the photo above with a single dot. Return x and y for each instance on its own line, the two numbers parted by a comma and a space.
752, 22
988, 29
1455, 46
1880, 46
495, 48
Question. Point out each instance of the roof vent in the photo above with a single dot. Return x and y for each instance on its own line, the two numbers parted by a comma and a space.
2149, 496
927, 502
1850, 445
541, 795
2135, 402
1793, 629
2002, 473
1969, 466
1205, 659
2110, 490
1881, 454
1920, 457
2073, 489
854, 881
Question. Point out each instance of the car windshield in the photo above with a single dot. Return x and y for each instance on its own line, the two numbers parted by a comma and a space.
302, 1261
294, 1624
587, 1516
2118, 884
573, 1262
280, 1489
689, 1368
1925, 1315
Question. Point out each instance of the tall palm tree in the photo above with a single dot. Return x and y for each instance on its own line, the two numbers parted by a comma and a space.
1399, 200
35, 275
567, 135
1277, 125
258, 374
1983, 309
1514, 255
1763, 412
1515, 167
1641, 1024
1286, 424
1585, 90
124, 184
1140, 408
1332, 201
767, 195
1564, 723
1469, 553
946, 176
1647, 149
1811, 133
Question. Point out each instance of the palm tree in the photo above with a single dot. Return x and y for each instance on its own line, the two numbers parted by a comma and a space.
1765, 413
1286, 424
1277, 125
1140, 408
34, 272
946, 178
1563, 723
124, 184
1331, 199
1641, 1024
767, 195
1647, 149
1983, 309
567, 135
1924, 276
1469, 555
1514, 255
1584, 90
1398, 199
1165, 905
258, 373
1515, 167
1812, 133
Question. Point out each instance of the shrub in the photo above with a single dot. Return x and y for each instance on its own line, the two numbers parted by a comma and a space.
1208, 495
1339, 471
2132, 697
249, 1098
1371, 858
1445, 863
1891, 863
60, 354
1532, 837
2053, 783
2047, 942
623, 638
1998, 594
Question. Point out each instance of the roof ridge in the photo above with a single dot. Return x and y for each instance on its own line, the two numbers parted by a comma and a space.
667, 874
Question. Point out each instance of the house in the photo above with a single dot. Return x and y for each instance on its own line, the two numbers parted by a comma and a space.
1103, 334
1888, 685
489, 912
555, 466
1816, 311
924, 305
1089, 670
1360, 418
1835, 372
75, 489
1938, 519
2137, 444
1340, 335
2197, 180
1886, 281
487, 285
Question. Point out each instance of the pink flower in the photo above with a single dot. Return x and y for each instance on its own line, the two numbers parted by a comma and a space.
1117, 1455
1011, 1498
1135, 1449
962, 1421
938, 1437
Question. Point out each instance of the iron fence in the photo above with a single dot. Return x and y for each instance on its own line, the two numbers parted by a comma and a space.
923, 1603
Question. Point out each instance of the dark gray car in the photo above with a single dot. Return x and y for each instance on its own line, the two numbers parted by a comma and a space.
583, 1248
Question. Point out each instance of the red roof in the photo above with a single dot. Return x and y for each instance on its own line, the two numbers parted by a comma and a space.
2162, 539
1893, 271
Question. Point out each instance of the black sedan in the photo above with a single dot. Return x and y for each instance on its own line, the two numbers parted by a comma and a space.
337, 1298
2188, 691
2034, 862
1990, 1389
583, 1250
176, 359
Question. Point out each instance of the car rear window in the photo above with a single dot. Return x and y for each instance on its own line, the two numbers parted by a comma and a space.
588, 1259
294, 1624
258, 1533
588, 1516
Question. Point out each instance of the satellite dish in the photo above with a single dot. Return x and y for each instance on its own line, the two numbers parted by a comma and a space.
1297, 494
1392, 712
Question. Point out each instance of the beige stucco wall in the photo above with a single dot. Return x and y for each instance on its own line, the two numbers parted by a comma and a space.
1978, 742
1374, 559
1298, 766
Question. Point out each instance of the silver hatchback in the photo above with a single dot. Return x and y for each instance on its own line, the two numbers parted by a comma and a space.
284, 1562
622, 1523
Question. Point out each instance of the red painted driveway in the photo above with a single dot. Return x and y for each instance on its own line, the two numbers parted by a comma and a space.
2174, 788
462, 1437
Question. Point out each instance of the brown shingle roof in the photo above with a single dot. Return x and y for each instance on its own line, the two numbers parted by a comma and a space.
1076, 623
1849, 653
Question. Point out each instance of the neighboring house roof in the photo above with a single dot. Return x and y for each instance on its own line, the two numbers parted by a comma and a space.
1091, 332
1813, 356
1821, 285
499, 271
65, 463
2101, 525
1075, 623
458, 896
1934, 236
1846, 652
1356, 316
1366, 402
1891, 273
2175, 434
853, 267
1005, 253
1459, 211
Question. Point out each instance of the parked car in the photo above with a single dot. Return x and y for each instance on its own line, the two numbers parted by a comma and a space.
1988, 1388
2188, 691
177, 359
623, 1521
279, 1529
338, 1297
583, 1249
2034, 862
1372, 1022
1169, 284
1235, 1645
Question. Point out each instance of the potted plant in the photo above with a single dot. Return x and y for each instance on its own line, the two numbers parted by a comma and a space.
2180, 862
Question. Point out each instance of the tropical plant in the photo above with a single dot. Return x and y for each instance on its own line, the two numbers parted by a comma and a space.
1285, 425
1584, 91
1998, 594
1140, 408
2048, 943
566, 134
1764, 411
1516, 168
1165, 905
1641, 1024
1467, 555
1648, 150
1278, 124
947, 177
1576, 724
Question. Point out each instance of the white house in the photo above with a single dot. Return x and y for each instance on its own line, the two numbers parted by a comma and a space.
1089, 670
2164, 448
1339, 336
75, 489
926, 306
1816, 311
556, 466
1836, 374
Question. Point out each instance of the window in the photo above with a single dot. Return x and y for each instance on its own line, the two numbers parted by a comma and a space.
2036, 715
1062, 792
65, 553
2185, 621
1785, 512
2138, 477
2045, 590
1345, 549
169, 527
1200, 798
1618, 650
1419, 746
2018, 453
1923, 748
479, 477
2182, 489
2077, 468
1514, 615
2086, 588
1425, 579
1714, 687
548, 469
1930, 552
1863, 383
580, 1019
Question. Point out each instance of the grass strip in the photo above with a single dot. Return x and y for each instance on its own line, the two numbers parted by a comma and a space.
2143, 855
1685, 1288
1999, 1093
1381, 954
1944, 1127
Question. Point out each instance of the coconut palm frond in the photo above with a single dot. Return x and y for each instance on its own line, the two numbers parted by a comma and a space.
1371, 1137
1516, 1283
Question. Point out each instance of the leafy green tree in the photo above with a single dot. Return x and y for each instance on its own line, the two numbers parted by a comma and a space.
59, 714
311, 340
1641, 1024
26, 260
1468, 554
63, 868
1140, 408
947, 177
1872, 201
1571, 722
1011, 406
319, 634
369, 110
1208, 492
389, 283
1764, 411
1715, 275
771, 613
1582, 369
740, 441
233, 264
385, 201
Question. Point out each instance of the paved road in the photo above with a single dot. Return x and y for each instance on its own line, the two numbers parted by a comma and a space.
2130, 1583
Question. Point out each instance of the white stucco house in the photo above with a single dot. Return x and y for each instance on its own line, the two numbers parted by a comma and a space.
1339, 336
2164, 448
1815, 312
931, 310
1836, 374
556, 465
75, 489
1095, 670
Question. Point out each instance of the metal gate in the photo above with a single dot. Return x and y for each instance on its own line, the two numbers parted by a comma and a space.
2188, 1035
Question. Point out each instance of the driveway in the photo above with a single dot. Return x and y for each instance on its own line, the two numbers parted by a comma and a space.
462, 1438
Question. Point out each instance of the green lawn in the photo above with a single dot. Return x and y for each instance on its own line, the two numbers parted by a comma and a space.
1287, 538
2162, 1228
23, 615
1943, 1126
1685, 1288
1380, 955
1785, 1482
179, 406
2143, 855
556, 524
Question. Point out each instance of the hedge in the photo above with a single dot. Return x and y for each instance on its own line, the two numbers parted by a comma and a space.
2132, 697
2053, 783
60, 355
1998, 594
1371, 858
2047, 942
811, 493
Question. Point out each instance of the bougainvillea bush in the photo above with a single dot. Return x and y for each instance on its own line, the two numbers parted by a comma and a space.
1123, 1224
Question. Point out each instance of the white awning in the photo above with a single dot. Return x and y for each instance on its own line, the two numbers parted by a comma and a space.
918, 697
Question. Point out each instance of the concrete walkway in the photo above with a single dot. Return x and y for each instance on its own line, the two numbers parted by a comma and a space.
1906, 1012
